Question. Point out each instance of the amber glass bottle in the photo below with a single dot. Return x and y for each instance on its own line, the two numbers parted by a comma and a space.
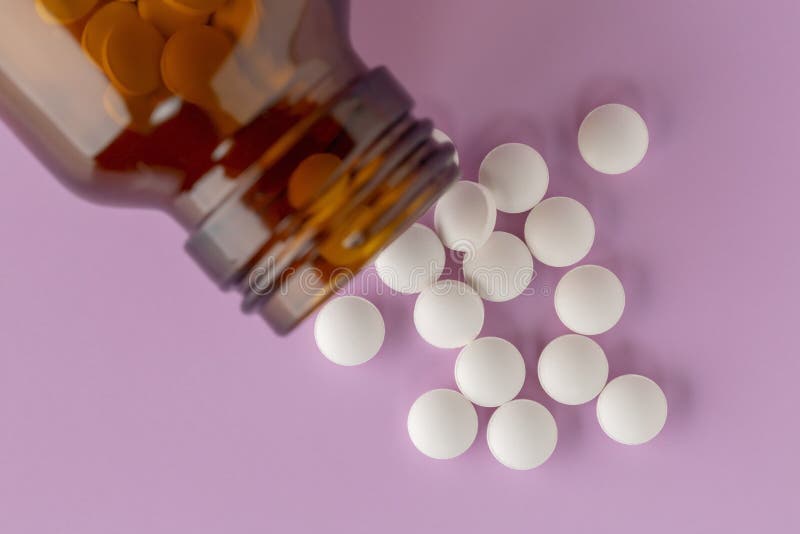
252, 121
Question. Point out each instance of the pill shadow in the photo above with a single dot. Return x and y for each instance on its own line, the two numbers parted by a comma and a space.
480, 448
606, 90
578, 177
678, 388
569, 420
530, 342
441, 113
512, 223
634, 275
626, 357
653, 105
396, 310
512, 126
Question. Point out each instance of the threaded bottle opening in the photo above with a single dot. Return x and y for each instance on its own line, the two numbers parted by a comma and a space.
297, 228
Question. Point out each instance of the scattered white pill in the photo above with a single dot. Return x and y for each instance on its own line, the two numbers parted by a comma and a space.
589, 299
442, 424
517, 176
490, 371
501, 269
465, 216
522, 434
448, 314
573, 369
441, 137
632, 409
559, 231
613, 139
413, 261
349, 330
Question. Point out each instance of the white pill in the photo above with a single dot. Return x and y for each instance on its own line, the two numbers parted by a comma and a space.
448, 314
632, 409
465, 216
490, 371
559, 231
413, 261
589, 299
573, 369
442, 424
517, 176
501, 269
613, 139
522, 434
441, 137
349, 330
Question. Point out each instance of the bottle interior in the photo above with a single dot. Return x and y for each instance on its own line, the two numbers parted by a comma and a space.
136, 101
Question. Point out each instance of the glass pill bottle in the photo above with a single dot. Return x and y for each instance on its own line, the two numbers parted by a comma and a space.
253, 122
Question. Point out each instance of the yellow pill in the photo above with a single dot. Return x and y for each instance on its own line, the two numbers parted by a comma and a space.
310, 177
197, 7
191, 58
62, 11
239, 18
166, 18
100, 24
131, 56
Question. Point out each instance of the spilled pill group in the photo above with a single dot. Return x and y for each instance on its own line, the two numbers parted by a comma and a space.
572, 369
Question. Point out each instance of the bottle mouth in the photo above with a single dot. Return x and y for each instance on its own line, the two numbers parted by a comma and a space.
288, 252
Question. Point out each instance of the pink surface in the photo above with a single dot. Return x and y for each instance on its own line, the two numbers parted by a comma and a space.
135, 398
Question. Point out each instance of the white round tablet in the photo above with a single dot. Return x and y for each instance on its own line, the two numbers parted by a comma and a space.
441, 137
632, 409
490, 371
517, 176
501, 269
559, 231
413, 261
465, 216
349, 330
613, 139
573, 369
448, 314
589, 299
522, 434
442, 424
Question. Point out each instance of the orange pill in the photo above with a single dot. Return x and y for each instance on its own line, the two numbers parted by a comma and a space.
167, 18
100, 24
62, 11
240, 18
191, 58
131, 56
310, 177
197, 7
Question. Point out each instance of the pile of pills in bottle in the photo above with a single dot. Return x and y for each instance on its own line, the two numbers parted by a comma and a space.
497, 266
151, 49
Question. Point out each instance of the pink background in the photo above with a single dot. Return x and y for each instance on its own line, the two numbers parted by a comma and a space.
136, 399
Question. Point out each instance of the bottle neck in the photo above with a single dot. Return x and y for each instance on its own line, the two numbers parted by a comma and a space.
285, 255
